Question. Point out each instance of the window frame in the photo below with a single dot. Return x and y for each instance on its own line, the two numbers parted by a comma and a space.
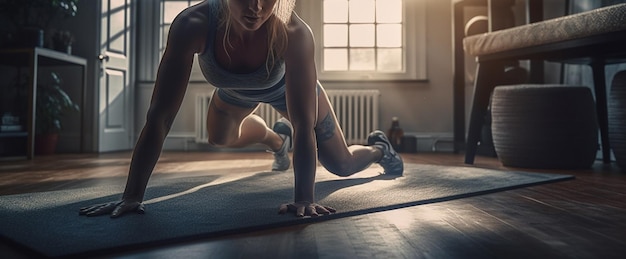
414, 44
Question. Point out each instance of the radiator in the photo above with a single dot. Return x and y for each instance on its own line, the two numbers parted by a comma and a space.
356, 110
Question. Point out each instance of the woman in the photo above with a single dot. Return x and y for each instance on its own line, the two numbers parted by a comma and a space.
252, 51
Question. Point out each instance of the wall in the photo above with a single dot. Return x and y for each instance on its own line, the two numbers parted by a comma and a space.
424, 107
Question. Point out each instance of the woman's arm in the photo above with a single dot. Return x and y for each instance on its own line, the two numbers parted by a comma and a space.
301, 80
169, 89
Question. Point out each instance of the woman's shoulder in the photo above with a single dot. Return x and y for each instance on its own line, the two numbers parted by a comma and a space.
298, 30
190, 21
195, 15
299, 34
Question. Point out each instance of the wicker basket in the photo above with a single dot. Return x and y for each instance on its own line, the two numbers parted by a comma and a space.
617, 118
544, 126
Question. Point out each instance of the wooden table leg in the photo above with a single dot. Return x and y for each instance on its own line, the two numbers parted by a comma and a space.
488, 74
599, 84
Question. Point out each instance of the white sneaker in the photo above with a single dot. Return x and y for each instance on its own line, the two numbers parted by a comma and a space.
281, 157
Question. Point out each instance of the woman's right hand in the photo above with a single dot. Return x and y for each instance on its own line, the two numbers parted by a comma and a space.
115, 209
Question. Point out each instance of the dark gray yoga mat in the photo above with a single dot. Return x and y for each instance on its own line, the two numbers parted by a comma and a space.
180, 208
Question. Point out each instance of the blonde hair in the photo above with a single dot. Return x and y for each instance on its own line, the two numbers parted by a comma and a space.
276, 30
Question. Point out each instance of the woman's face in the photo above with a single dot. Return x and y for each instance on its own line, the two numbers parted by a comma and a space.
251, 14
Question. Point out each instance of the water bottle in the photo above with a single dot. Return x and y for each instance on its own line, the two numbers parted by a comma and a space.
395, 134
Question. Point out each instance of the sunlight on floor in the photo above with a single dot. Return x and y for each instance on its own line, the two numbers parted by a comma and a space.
403, 219
221, 180
212, 165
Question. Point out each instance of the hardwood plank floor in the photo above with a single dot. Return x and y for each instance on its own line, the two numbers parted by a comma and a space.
580, 218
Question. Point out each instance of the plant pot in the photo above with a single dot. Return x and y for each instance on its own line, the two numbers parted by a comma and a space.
63, 48
46, 144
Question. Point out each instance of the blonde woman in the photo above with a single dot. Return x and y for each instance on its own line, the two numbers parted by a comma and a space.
252, 51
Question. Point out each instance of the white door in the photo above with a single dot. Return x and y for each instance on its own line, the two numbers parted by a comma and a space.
115, 110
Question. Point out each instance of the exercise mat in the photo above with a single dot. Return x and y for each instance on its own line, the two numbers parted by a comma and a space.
183, 207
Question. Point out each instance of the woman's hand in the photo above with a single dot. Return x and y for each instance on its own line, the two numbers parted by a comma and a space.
302, 209
116, 209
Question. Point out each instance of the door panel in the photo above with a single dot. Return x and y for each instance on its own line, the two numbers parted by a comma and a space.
114, 97
115, 111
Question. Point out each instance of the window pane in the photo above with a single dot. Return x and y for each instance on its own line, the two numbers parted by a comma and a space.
335, 59
335, 11
362, 59
362, 11
335, 35
165, 33
389, 35
389, 11
362, 35
390, 60
117, 23
173, 8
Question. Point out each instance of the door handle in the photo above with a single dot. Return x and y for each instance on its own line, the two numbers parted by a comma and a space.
103, 57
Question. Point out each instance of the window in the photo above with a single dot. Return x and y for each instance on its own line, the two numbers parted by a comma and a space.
368, 39
363, 35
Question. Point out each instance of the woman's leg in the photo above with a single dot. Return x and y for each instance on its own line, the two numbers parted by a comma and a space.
233, 126
333, 152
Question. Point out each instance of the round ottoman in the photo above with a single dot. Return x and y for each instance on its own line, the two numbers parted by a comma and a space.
544, 126
617, 118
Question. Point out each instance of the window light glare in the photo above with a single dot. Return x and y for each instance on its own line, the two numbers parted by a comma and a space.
335, 35
335, 59
362, 35
362, 11
389, 60
389, 11
335, 11
362, 59
389, 35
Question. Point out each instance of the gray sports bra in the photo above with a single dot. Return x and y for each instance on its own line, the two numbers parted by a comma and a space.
220, 78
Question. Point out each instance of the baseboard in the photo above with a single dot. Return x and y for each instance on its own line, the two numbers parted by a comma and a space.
187, 142
425, 142
432, 141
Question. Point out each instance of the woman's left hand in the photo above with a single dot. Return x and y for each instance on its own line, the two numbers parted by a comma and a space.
303, 209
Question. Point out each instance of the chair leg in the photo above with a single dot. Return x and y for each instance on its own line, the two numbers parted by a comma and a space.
487, 76
599, 84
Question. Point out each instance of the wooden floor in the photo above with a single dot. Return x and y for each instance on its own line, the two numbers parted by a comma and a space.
581, 218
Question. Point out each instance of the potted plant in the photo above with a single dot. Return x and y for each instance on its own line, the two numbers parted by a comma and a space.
52, 103
62, 41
